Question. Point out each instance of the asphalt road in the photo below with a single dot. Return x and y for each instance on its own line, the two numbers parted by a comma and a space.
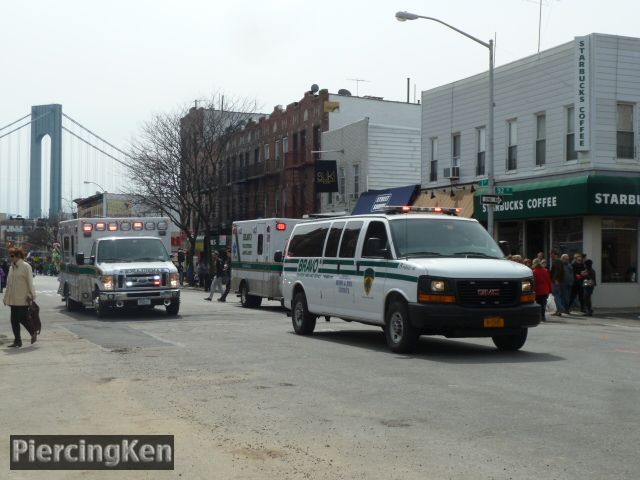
247, 398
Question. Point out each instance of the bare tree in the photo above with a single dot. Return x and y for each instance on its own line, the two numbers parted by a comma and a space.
176, 163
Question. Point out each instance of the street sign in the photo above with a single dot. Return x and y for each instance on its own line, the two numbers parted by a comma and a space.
484, 182
504, 190
491, 199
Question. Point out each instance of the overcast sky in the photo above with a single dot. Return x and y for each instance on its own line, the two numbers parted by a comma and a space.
112, 64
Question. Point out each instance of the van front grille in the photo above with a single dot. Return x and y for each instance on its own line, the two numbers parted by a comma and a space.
487, 293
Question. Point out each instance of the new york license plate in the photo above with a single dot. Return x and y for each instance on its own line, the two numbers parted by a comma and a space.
147, 301
493, 322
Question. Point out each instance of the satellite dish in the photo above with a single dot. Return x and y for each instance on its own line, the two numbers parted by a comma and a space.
315, 88
345, 92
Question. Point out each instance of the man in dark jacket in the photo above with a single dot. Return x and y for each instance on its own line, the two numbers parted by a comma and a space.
557, 278
227, 276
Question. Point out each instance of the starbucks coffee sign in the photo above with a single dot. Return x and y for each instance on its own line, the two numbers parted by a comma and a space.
582, 113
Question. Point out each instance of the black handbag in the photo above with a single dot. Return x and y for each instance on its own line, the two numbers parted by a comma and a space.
34, 317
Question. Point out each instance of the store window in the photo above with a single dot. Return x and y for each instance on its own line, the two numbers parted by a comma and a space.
570, 148
625, 145
566, 235
511, 232
619, 250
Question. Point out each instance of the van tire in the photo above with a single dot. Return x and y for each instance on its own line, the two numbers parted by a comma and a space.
71, 305
512, 342
246, 300
173, 308
401, 336
303, 321
99, 307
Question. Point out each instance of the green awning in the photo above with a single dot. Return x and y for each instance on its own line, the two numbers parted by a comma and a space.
574, 196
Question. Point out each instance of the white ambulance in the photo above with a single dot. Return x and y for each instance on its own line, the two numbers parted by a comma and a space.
256, 249
112, 263
426, 273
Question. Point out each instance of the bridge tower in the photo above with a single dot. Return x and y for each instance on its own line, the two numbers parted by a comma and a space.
47, 120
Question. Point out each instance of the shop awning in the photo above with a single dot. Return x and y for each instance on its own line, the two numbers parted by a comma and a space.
374, 201
575, 196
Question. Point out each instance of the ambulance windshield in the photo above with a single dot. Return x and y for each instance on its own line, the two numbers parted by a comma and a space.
132, 250
442, 237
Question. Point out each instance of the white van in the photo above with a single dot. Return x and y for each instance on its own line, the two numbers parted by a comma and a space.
412, 274
255, 273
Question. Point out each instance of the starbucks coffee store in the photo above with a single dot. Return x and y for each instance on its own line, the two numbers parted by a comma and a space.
593, 214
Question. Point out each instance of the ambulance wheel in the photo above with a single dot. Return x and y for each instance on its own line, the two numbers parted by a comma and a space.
173, 308
510, 343
99, 307
401, 336
71, 305
246, 300
303, 321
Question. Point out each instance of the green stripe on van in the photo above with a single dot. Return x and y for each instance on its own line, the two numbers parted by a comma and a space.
263, 267
84, 270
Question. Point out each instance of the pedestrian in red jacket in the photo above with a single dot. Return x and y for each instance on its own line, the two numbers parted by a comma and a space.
543, 285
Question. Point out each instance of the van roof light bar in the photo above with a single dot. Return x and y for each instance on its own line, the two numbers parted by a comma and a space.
412, 209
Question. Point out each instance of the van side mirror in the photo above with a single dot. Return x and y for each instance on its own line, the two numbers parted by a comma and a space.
505, 247
277, 257
373, 248
79, 258
92, 260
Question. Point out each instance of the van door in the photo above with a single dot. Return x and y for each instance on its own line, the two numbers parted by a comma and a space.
347, 281
329, 268
372, 266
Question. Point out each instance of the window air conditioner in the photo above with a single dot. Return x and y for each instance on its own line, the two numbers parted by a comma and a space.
452, 172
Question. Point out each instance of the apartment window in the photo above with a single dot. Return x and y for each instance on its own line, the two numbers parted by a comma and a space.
481, 134
433, 163
541, 139
625, 131
278, 153
266, 152
356, 179
256, 155
512, 150
570, 148
317, 138
330, 198
455, 150
341, 181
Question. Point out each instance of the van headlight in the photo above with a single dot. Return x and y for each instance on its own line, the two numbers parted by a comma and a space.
107, 282
435, 290
174, 280
527, 294
438, 286
527, 286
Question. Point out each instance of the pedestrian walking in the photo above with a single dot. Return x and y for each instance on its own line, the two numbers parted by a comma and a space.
543, 285
557, 279
567, 282
217, 273
227, 276
3, 280
20, 293
202, 274
577, 289
588, 285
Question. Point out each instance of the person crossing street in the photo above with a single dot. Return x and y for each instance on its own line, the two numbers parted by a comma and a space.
19, 294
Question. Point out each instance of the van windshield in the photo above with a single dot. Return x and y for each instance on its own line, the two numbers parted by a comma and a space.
442, 237
132, 250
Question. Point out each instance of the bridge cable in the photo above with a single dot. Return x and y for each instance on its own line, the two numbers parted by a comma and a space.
13, 123
16, 129
93, 146
96, 135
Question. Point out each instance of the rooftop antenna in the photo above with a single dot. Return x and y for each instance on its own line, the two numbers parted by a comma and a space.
358, 80
539, 24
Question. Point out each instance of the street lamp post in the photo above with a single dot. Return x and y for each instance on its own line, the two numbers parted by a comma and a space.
404, 16
104, 196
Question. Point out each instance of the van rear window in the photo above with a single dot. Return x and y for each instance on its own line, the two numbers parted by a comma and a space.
308, 241
331, 250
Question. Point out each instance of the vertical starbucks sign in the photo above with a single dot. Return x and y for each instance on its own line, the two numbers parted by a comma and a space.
582, 67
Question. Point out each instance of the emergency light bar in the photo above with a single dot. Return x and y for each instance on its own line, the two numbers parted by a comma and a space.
101, 226
412, 209
281, 226
86, 229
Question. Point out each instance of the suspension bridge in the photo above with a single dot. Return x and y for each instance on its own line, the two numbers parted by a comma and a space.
48, 159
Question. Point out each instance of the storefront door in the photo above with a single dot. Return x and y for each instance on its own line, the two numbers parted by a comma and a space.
537, 238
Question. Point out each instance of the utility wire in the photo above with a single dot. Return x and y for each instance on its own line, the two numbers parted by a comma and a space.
13, 123
95, 135
93, 146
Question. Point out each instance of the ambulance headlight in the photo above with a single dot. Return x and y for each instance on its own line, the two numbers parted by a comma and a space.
438, 286
174, 280
107, 282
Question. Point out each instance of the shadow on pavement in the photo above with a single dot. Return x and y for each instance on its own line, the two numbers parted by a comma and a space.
436, 348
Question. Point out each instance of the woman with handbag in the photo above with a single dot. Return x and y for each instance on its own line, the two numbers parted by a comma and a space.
543, 285
20, 293
588, 284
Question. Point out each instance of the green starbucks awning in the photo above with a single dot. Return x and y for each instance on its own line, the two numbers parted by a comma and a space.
575, 196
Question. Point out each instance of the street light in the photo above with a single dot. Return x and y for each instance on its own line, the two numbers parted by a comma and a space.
403, 17
104, 196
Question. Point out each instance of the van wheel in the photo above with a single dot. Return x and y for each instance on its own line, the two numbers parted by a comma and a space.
99, 307
303, 321
248, 301
173, 308
401, 336
510, 343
